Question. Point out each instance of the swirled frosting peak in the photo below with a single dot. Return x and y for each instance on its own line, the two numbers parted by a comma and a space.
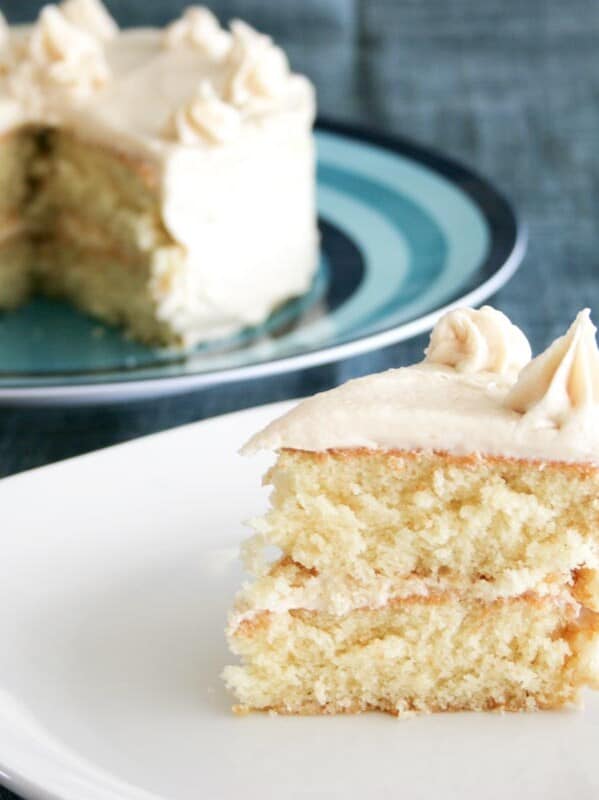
563, 380
258, 69
62, 54
200, 29
482, 340
206, 119
91, 16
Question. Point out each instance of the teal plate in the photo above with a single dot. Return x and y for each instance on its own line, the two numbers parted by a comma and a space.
406, 234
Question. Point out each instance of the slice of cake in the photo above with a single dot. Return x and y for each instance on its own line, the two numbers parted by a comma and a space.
439, 534
162, 180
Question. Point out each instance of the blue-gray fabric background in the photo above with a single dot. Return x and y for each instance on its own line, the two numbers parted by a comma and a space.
509, 87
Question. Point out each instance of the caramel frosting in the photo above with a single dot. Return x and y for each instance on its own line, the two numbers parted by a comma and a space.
564, 380
484, 340
549, 412
200, 29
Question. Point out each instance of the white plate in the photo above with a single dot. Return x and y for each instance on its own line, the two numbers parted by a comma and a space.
116, 573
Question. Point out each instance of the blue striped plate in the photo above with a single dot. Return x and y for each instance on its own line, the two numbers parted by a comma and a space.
405, 234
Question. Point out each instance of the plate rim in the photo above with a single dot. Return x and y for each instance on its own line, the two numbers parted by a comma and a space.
481, 191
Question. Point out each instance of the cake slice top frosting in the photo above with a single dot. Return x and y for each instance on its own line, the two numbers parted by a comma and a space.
476, 392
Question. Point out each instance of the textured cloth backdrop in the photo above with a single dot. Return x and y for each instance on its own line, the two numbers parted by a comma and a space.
510, 87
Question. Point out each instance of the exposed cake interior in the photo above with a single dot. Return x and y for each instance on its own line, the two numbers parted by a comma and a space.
99, 239
501, 525
438, 530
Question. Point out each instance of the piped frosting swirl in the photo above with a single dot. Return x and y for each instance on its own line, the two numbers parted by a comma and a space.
258, 70
206, 119
92, 17
482, 340
200, 29
62, 55
562, 381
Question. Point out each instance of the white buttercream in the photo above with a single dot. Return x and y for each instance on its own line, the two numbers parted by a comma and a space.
198, 28
480, 340
206, 119
563, 382
91, 16
339, 595
63, 55
432, 407
258, 71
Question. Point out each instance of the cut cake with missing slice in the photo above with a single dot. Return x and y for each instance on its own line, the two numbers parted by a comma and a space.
159, 179
439, 534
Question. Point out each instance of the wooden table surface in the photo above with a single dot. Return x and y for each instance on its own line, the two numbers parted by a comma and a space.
509, 87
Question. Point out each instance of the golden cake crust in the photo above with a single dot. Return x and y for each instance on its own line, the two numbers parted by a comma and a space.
460, 461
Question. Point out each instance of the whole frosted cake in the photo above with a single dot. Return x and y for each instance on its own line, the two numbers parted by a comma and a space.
162, 180
439, 531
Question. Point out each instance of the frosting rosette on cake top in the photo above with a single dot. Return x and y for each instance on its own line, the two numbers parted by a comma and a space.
562, 381
92, 17
200, 29
206, 119
483, 340
258, 69
55, 57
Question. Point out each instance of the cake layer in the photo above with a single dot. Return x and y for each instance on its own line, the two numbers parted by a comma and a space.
112, 286
416, 655
501, 525
89, 186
